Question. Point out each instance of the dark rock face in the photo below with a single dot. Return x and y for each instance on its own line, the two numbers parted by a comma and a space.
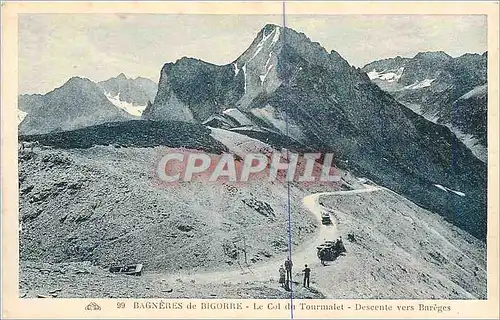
442, 89
423, 66
192, 90
470, 113
138, 91
76, 104
333, 107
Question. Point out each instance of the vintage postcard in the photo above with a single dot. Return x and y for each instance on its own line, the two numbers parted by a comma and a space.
278, 160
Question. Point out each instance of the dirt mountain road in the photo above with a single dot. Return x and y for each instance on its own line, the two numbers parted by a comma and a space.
305, 254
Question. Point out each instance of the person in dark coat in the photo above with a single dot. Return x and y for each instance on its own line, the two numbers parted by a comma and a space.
307, 275
288, 267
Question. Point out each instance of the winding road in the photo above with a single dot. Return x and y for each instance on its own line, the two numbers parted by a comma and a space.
304, 254
308, 255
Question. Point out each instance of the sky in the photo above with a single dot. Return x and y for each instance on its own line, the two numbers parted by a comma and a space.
55, 47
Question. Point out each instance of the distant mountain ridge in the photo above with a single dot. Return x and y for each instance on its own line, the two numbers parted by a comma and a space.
133, 95
442, 89
76, 104
81, 102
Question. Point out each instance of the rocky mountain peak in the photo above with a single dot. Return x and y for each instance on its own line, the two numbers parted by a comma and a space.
78, 103
193, 90
273, 39
77, 82
269, 28
122, 76
125, 92
441, 55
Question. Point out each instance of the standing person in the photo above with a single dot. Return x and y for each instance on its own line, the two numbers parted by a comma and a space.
288, 267
341, 246
282, 276
322, 256
307, 274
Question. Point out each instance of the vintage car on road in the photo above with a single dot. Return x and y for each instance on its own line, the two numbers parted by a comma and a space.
325, 218
330, 250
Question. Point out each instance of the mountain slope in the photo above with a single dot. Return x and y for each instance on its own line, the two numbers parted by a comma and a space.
76, 104
433, 84
332, 107
132, 95
103, 204
435, 260
80, 102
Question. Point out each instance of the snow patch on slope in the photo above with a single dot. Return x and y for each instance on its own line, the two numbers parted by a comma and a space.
258, 74
419, 84
221, 118
412, 241
244, 68
263, 42
269, 59
238, 116
126, 106
476, 92
471, 142
374, 74
248, 128
20, 116
236, 70
448, 189
386, 75
276, 36
263, 76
